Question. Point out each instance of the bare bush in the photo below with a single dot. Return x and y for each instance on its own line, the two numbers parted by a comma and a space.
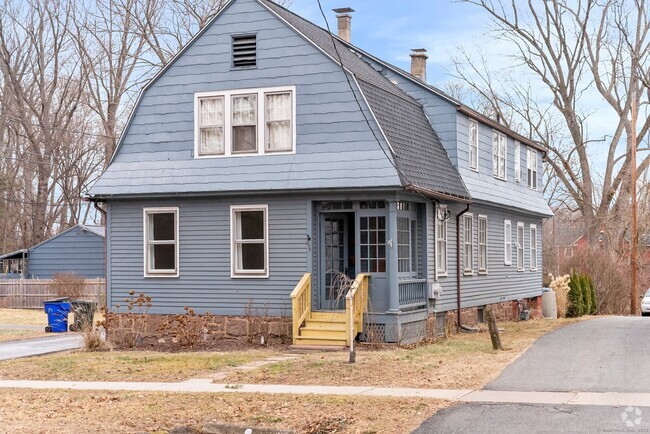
68, 285
94, 338
560, 285
610, 274
127, 330
188, 328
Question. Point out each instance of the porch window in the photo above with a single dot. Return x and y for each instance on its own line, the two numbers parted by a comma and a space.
441, 247
473, 144
249, 232
244, 124
404, 251
161, 242
468, 244
278, 132
520, 246
533, 247
482, 244
373, 244
507, 242
499, 154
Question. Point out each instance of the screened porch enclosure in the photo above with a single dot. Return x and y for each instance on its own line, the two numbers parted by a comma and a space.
384, 239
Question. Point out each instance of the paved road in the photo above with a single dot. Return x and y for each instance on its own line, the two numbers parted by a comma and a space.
39, 346
535, 418
602, 355
609, 354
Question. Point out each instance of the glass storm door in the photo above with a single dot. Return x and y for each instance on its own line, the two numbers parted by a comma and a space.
334, 260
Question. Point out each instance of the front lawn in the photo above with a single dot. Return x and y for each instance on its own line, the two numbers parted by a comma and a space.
464, 361
34, 317
61, 411
126, 365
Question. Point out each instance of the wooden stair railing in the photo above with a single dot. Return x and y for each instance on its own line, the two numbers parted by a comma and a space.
356, 304
301, 304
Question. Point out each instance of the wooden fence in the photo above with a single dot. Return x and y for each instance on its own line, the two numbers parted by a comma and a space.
30, 294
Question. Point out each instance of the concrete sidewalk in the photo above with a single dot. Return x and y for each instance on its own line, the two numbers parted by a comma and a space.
460, 395
39, 346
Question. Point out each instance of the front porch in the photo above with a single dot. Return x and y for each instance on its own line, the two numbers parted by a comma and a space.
382, 252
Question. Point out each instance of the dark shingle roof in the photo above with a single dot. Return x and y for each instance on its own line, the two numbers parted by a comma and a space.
420, 157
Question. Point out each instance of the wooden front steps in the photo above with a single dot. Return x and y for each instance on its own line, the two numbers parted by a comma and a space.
323, 329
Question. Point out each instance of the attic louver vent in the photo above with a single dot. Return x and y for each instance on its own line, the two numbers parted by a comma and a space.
244, 51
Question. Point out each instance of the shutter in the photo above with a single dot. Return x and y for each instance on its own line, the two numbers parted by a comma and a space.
244, 51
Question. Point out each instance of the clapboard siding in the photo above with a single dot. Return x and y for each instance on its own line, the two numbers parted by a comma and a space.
156, 153
502, 282
204, 239
76, 251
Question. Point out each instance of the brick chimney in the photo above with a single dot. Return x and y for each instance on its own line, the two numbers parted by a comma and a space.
419, 63
344, 22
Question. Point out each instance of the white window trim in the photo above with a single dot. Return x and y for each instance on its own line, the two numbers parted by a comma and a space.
499, 157
440, 272
522, 246
517, 161
478, 243
469, 139
227, 115
160, 273
235, 274
468, 271
531, 229
507, 246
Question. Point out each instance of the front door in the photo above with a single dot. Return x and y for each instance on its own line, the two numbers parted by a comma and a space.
335, 258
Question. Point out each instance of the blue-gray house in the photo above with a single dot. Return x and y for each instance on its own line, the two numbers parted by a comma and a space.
270, 158
78, 250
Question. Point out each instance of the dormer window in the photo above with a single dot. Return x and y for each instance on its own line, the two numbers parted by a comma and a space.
244, 51
499, 153
473, 144
245, 122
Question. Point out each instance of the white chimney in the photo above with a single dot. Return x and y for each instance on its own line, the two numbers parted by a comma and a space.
419, 63
344, 22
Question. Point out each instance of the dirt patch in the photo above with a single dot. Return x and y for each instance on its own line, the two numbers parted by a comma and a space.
127, 365
117, 412
459, 362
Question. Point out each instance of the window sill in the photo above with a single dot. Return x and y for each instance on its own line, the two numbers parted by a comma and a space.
520, 270
442, 275
161, 275
507, 264
246, 154
533, 269
500, 179
249, 276
468, 273
474, 169
483, 272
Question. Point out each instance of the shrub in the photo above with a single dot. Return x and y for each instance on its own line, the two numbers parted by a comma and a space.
560, 285
586, 294
594, 300
611, 277
93, 338
189, 328
576, 300
128, 330
68, 285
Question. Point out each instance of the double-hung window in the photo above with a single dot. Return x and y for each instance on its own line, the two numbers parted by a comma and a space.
482, 244
507, 242
441, 247
473, 144
499, 153
517, 161
533, 247
520, 246
249, 239
531, 163
468, 243
161, 242
245, 122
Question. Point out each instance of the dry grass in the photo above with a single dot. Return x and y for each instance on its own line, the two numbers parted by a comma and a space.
23, 317
126, 365
115, 412
462, 361
13, 335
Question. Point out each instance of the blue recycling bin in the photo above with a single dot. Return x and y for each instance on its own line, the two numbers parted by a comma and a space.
57, 315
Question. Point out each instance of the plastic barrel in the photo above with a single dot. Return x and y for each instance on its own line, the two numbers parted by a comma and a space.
57, 315
549, 305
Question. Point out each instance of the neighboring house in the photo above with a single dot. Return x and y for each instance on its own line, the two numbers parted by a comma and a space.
248, 163
78, 250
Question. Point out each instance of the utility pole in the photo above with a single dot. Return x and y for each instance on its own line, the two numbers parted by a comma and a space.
634, 304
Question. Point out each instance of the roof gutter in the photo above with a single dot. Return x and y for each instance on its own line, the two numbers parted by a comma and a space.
436, 195
502, 128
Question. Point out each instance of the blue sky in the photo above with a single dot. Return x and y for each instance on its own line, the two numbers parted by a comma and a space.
390, 28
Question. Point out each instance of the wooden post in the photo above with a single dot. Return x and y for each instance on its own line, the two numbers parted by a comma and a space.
494, 331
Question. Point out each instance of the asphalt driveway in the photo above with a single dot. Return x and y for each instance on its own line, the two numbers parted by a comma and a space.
38, 346
609, 354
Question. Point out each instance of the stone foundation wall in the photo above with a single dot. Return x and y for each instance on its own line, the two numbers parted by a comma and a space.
212, 328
